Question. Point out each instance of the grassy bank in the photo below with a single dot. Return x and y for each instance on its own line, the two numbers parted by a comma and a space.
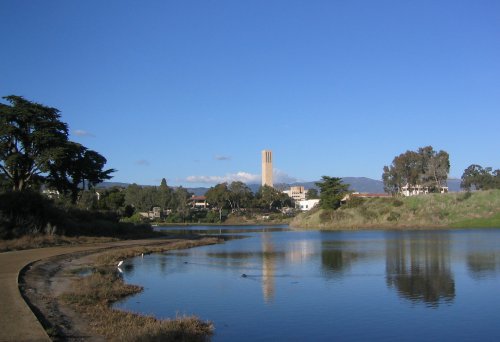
41, 241
92, 296
452, 210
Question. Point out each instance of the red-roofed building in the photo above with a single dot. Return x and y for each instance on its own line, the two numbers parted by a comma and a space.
198, 202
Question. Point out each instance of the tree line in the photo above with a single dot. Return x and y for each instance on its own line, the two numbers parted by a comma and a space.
35, 151
424, 167
429, 168
36, 154
475, 177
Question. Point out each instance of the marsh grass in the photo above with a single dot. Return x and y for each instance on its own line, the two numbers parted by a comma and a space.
92, 296
477, 209
113, 256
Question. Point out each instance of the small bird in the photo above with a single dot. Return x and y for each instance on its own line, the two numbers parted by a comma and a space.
120, 263
142, 255
244, 275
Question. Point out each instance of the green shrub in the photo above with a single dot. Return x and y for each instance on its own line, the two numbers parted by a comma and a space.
25, 212
393, 216
465, 196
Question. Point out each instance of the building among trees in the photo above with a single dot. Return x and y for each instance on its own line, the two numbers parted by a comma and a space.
297, 193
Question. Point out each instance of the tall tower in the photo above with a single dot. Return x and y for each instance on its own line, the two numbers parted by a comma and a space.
267, 168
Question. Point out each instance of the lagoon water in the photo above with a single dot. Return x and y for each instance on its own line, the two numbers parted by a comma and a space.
283, 285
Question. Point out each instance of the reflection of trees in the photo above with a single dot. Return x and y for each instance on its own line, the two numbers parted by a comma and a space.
335, 262
418, 266
483, 264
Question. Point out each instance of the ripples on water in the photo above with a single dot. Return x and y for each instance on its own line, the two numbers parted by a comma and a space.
279, 284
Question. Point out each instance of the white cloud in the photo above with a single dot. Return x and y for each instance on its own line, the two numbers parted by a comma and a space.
245, 177
142, 162
82, 133
283, 177
241, 176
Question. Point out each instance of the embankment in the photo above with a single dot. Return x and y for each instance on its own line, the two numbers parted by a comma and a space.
452, 210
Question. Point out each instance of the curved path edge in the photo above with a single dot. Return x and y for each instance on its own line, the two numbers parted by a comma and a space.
17, 321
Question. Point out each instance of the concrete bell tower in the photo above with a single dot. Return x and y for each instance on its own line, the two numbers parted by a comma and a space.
267, 168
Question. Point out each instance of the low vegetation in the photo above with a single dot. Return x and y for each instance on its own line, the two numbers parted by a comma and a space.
41, 240
467, 209
92, 296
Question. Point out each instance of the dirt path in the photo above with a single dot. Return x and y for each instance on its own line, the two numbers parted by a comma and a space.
17, 321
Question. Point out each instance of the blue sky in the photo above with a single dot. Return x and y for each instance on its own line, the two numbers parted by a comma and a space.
193, 90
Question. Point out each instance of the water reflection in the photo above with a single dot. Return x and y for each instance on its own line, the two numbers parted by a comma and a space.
418, 266
483, 265
268, 267
336, 258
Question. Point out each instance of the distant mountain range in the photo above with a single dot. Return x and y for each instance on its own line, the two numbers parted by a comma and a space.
359, 184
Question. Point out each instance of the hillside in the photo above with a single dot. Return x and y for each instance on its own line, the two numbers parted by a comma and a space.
461, 210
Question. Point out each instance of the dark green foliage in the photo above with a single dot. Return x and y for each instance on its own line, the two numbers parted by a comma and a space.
476, 177
332, 191
312, 194
30, 137
465, 196
271, 199
424, 167
393, 216
75, 166
25, 212
34, 149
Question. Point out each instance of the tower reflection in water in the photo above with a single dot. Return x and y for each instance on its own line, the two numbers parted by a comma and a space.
268, 267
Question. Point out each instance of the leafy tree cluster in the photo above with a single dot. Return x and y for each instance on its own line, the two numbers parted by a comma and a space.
144, 198
34, 149
332, 190
479, 178
237, 195
424, 167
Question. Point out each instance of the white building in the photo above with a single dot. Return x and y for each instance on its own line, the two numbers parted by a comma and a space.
306, 205
415, 190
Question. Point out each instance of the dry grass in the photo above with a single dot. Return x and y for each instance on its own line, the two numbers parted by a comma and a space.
92, 296
40, 241
478, 209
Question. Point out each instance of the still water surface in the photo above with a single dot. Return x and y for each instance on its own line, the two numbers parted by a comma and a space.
323, 286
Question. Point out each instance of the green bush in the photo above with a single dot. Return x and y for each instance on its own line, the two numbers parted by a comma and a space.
25, 212
393, 216
465, 196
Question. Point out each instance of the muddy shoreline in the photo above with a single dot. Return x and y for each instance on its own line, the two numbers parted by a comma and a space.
43, 282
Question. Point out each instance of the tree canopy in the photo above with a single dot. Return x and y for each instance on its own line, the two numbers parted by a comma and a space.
424, 167
34, 149
332, 190
479, 178
30, 137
